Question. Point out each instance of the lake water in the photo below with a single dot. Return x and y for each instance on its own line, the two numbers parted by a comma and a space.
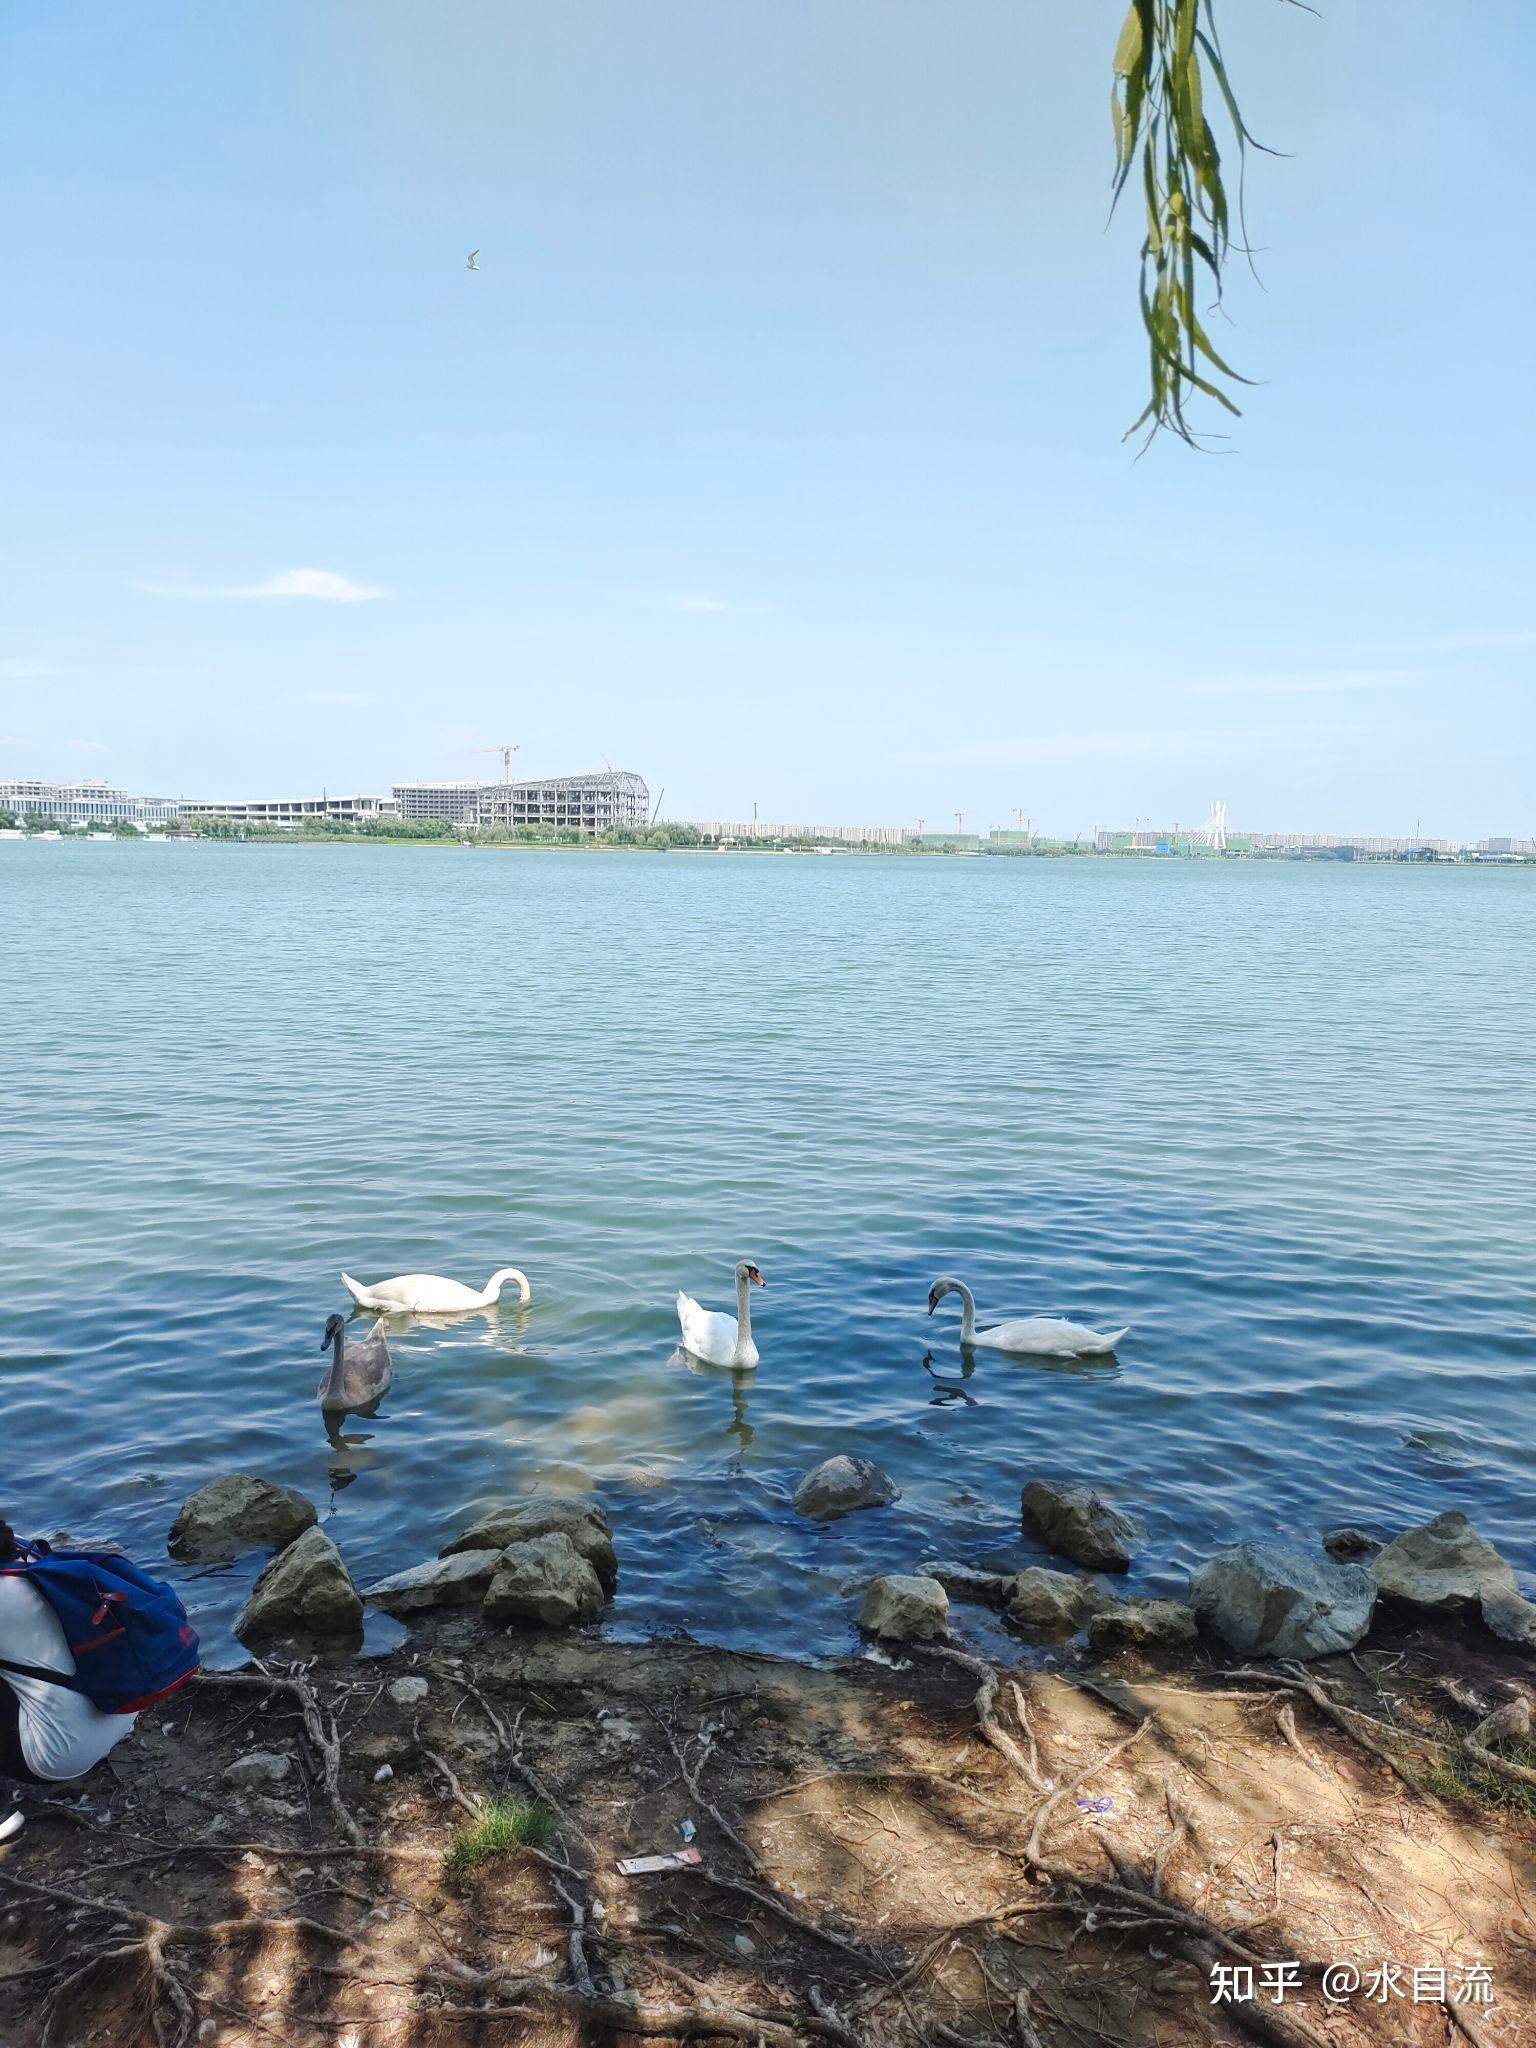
1278, 1118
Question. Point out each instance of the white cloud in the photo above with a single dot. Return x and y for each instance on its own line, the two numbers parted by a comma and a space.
325, 584
85, 746
14, 670
702, 604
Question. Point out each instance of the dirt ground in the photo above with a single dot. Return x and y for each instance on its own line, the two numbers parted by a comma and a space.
922, 1851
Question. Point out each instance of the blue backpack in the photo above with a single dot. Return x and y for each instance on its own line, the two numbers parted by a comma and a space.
128, 1633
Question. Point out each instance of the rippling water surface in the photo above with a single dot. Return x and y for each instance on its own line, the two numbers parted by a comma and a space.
1278, 1118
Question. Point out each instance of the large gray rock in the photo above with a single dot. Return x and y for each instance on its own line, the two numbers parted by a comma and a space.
237, 1512
1444, 1564
1157, 1628
966, 1582
1269, 1600
457, 1581
582, 1522
1051, 1603
839, 1485
900, 1608
544, 1580
306, 1591
1079, 1523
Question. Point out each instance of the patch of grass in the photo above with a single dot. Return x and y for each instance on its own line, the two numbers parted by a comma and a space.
1461, 1777
505, 1824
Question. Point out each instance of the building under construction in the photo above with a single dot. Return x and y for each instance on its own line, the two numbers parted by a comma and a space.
580, 803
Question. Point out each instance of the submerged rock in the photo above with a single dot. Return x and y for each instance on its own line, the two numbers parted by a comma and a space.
582, 1522
966, 1582
1350, 1546
1077, 1522
1444, 1564
1155, 1627
239, 1511
544, 1579
901, 1608
305, 1591
1051, 1603
839, 1485
1269, 1600
457, 1581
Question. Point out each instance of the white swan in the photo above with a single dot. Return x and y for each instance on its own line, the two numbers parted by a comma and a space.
720, 1339
1046, 1336
359, 1374
426, 1294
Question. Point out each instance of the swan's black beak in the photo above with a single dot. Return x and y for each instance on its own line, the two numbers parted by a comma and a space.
932, 1304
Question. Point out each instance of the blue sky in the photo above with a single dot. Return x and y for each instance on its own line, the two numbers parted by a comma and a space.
775, 449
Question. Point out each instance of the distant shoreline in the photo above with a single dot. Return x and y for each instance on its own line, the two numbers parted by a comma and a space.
1141, 857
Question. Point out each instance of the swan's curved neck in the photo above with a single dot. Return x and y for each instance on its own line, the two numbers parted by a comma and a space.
338, 1357
743, 1311
497, 1281
967, 1312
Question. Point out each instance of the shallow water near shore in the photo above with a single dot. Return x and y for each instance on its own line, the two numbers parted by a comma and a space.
1278, 1118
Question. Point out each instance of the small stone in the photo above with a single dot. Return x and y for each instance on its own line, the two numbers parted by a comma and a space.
900, 1608
1350, 1546
839, 1485
383, 1774
239, 1511
1079, 1523
1154, 1627
208, 2030
457, 1581
1269, 1600
408, 1692
259, 1767
1051, 1603
544, 1580
306, 1591
745, 1945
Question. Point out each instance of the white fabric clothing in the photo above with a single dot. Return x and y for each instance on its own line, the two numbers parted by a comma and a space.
62, 1735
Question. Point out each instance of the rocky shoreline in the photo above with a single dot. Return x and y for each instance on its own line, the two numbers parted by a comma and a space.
517, 1832
551, 1560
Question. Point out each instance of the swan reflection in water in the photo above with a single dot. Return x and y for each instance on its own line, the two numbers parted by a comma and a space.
949, 1388
742, 1379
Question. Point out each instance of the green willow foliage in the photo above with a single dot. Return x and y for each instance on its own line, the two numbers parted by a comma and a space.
1167, 54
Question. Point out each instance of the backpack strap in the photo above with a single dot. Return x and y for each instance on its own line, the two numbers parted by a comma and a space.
36, 1671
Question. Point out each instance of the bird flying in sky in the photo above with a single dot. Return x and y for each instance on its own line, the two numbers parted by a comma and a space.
472, 264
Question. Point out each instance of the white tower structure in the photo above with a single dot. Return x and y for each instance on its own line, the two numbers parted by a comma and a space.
1213, 833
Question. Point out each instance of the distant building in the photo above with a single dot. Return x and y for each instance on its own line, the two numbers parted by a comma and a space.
841, 835
294, 810
452, 803
87, 803
583, 803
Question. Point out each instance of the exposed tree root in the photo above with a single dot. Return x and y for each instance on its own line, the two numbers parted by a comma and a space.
1351, 1722
169, 2004
505, 1993
319, 1726
992, 1731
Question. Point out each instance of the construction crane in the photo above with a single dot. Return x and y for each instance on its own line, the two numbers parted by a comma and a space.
506, 752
